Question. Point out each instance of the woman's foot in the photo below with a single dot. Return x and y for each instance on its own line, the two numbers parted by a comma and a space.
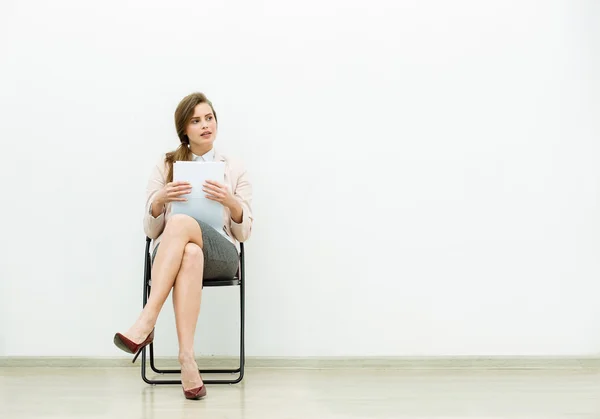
140, 330
190, 376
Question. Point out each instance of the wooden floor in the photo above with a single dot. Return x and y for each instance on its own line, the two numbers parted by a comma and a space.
313, 394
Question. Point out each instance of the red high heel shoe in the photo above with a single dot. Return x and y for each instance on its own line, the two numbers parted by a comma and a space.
131, 347
195, 393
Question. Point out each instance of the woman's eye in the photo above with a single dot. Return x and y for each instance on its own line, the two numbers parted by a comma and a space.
209, 118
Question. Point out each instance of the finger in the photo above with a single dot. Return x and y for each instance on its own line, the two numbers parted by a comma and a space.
215, 183
173, 185
212, 189
179, 183
177, 194
213, 198
181, 188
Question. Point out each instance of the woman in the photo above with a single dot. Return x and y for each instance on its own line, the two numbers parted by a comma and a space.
185, 250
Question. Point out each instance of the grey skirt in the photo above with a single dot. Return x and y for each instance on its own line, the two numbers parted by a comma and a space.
221, 259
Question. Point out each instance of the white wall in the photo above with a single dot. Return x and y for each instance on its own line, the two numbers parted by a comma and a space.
425, 172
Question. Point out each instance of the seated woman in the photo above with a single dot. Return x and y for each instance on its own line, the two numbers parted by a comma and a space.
185, 250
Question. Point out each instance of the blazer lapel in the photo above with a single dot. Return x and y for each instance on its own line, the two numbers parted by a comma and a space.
226, 214
219, 157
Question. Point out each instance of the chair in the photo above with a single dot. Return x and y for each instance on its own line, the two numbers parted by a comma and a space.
238, 280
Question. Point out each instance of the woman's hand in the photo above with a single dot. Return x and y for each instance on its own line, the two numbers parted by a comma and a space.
221, 193
216, 191
172, 191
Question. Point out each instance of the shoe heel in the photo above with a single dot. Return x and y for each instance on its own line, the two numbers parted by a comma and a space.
138, 354
131, 347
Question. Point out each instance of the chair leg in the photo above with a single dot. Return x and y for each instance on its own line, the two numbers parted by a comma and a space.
239, 370
146, 379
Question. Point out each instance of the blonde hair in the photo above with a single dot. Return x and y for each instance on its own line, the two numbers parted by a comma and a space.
183, 115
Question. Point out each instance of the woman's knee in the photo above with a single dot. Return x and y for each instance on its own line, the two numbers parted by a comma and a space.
192, 255
182, 224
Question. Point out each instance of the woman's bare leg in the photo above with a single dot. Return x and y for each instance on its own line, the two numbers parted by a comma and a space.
187, 295
179, 231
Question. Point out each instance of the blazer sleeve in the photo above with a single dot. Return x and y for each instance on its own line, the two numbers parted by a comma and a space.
243, 193
153, 227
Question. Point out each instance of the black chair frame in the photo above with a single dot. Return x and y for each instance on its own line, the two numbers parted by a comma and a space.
239, 280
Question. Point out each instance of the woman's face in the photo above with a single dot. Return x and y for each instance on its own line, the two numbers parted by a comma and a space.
202, 128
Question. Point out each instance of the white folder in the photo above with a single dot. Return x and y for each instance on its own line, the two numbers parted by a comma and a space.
197, 205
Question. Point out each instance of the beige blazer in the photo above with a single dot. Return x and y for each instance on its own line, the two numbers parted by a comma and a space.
237, 180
